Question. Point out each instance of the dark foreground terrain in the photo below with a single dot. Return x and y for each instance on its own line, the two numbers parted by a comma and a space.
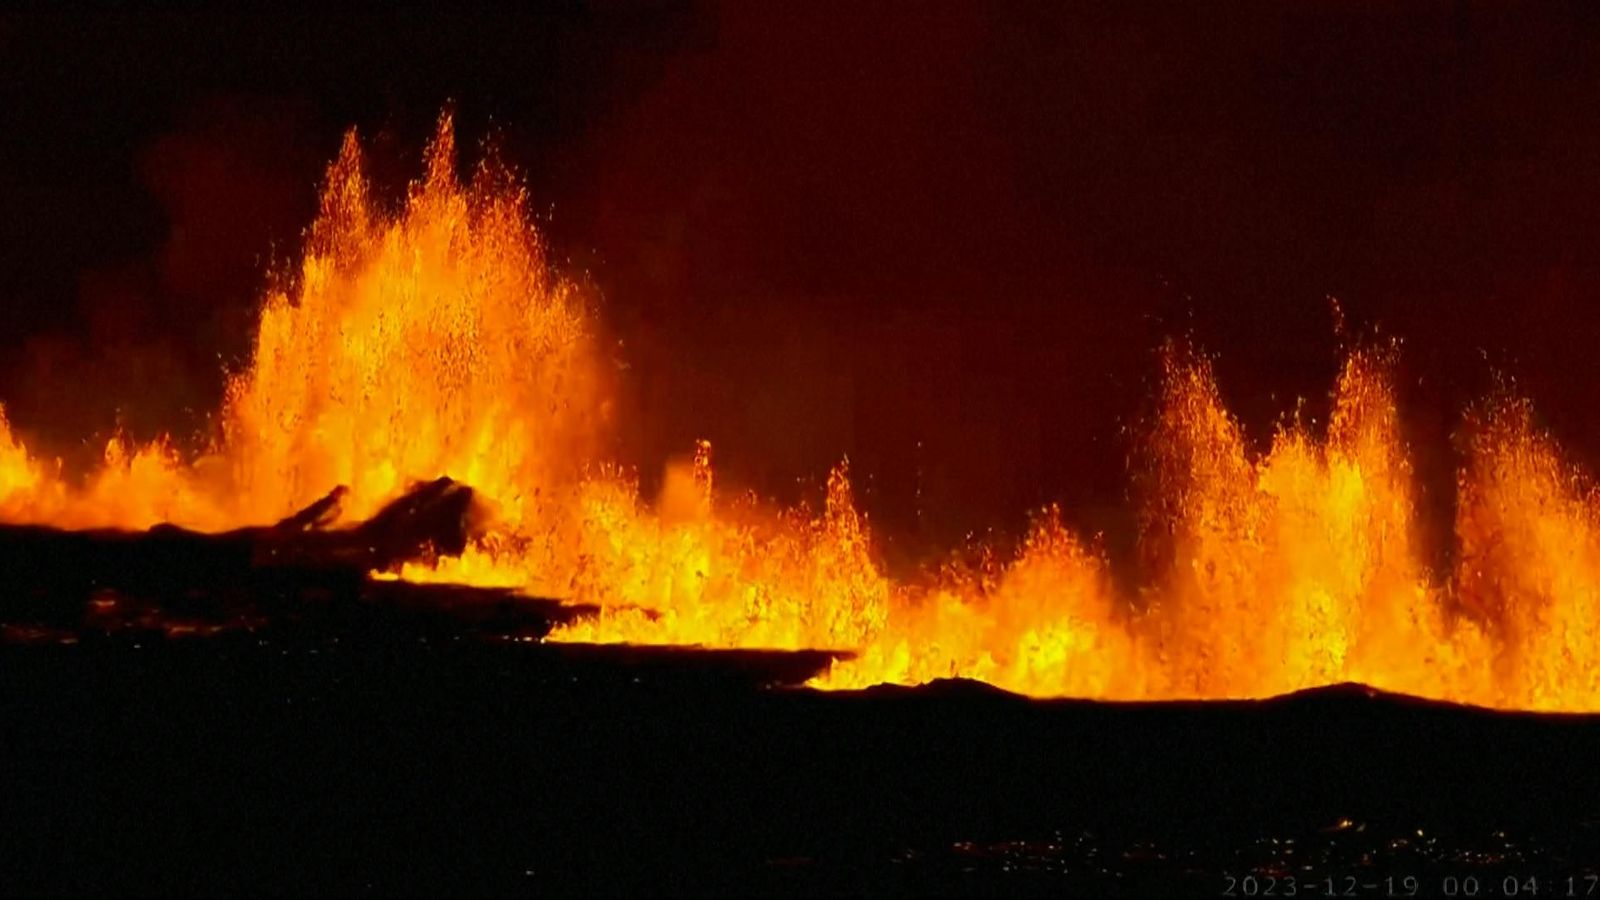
407, 761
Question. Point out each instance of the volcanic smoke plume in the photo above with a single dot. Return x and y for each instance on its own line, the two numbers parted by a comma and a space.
437, 340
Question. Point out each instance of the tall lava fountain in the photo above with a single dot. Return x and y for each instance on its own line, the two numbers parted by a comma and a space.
437, 339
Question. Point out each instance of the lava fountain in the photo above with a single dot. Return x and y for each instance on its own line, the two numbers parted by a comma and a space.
436, 339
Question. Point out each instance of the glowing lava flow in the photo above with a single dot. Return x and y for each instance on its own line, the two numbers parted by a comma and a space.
436, 340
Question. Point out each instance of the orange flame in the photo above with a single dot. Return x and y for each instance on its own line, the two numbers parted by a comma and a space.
436, 340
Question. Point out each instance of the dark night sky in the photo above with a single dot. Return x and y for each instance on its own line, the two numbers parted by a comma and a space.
821, 230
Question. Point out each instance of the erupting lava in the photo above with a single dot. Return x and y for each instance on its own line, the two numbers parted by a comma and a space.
436, 341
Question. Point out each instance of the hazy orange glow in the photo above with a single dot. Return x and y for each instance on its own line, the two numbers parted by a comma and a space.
436, 340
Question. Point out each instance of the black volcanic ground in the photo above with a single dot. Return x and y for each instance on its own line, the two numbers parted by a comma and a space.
394, 753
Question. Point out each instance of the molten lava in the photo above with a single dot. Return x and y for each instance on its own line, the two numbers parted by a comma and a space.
436, 340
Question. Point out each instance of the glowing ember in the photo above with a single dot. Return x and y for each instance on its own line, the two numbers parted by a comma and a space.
436, 341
